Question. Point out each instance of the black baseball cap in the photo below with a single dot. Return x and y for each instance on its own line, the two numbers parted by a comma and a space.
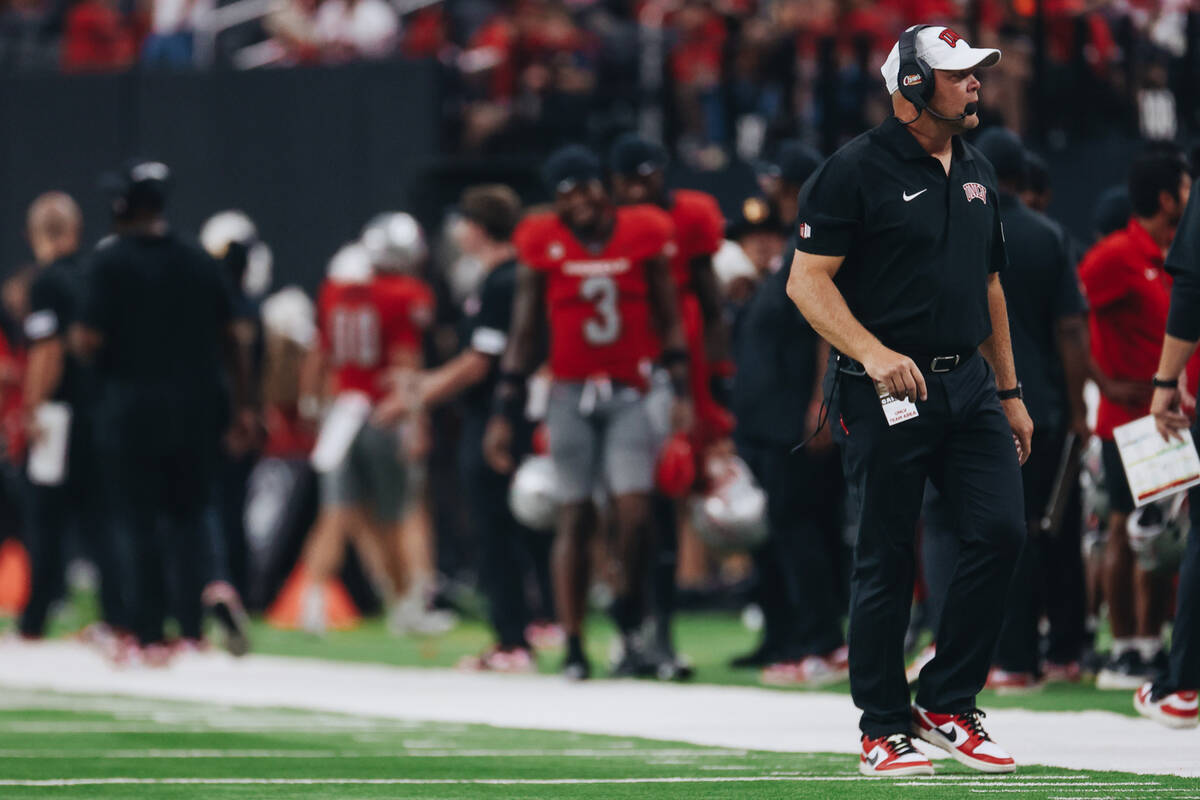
138, 184
569, 167
633, 155
1004, 150
796, 161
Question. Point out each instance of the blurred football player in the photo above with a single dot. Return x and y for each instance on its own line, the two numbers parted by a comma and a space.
601, 277
638, 173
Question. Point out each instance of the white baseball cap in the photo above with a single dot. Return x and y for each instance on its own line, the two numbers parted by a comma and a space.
941, 48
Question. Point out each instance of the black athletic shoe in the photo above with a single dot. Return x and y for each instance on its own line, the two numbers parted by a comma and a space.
1127, 672
576, 670
222, 601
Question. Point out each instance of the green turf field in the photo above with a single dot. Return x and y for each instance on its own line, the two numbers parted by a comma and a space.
177, 750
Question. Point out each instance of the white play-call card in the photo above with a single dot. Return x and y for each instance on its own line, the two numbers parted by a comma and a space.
48, 455
895, 409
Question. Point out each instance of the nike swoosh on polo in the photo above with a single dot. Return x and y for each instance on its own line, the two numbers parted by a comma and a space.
910, 197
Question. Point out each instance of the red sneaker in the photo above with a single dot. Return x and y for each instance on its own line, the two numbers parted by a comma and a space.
516, 660
1005, 682
1070, 672
892, 757
962, 736
1175, 710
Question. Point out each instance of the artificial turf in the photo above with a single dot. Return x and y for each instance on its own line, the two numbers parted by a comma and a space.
47, 738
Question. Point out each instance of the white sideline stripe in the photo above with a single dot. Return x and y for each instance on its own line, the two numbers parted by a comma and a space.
393, 753
932, 783
714, 716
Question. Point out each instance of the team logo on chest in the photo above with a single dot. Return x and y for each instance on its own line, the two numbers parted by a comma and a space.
975, 191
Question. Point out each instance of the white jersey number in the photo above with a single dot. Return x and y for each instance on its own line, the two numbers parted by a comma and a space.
605, 327
354, 337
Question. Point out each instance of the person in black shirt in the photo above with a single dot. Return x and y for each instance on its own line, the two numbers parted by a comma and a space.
899, 245
54, 376
159, 325
1048, 321
489, 215
1172, 698
777, 401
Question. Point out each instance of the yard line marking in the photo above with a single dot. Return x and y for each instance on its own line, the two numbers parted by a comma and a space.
381, 753
934, 783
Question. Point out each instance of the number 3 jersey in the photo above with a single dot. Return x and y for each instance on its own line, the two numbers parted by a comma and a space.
597, 301
362, 325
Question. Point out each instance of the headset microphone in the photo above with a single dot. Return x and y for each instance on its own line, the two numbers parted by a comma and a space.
968, 110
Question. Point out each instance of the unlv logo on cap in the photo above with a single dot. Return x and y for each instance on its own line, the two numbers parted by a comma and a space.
949, 37
913, 80
975, 191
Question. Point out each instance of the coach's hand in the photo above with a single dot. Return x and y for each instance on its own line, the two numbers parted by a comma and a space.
497, 444
897, 372
1168, 417
1022, 426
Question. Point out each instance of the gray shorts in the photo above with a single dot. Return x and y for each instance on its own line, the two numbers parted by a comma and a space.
372, 476
600, 439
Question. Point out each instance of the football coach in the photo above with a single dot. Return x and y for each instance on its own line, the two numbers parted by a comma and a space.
899, 246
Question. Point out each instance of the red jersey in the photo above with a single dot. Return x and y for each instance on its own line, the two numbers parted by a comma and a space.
699, 230
363, 325
1128, 293
597, 303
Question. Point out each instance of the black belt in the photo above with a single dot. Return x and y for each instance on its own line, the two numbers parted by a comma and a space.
926, 363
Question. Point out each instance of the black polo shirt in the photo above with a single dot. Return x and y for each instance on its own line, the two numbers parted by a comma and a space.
918, 244
1040, 288
1183, 263
775, 351
485, 330
54, 300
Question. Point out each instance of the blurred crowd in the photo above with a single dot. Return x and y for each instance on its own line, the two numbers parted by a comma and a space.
363, 444
715, 80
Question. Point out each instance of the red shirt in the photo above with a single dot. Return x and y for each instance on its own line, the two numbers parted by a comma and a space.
1129, 294
363, 325
699, 230
597, 302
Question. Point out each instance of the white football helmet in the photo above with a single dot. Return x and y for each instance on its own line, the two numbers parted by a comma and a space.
1158, 532
351, 264
733, 514
533, 494
228, 227
395, 242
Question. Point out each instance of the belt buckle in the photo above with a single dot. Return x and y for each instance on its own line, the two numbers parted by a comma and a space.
953, 362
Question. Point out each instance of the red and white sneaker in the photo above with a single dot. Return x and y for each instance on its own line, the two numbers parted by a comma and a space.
892, 757
1004, 682
962, 736
1176, 710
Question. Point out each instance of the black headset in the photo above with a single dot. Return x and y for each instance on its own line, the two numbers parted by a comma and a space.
915, 76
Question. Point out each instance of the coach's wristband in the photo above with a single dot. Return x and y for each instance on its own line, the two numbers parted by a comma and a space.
1159, 383
1011, 394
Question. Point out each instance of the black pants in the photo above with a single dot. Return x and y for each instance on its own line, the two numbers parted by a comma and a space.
1048, 578
800, 563
163, 502
233, 485
1184, 673
962, 443
72, 513
504, 544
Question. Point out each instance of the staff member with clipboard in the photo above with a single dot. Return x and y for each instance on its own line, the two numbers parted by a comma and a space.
899, 245
1172, 699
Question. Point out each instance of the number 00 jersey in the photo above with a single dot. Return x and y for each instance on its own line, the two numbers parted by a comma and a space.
597, 302
361, 325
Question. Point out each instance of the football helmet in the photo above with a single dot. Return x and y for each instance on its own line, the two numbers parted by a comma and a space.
232, 237
351, 264
1158, 532
533, 494
395, 242
732, 515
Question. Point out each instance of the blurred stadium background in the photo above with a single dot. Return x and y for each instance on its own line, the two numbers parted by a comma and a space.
312, 116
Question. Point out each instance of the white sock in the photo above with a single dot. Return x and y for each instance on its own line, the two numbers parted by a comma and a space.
1120, 646
312, 608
